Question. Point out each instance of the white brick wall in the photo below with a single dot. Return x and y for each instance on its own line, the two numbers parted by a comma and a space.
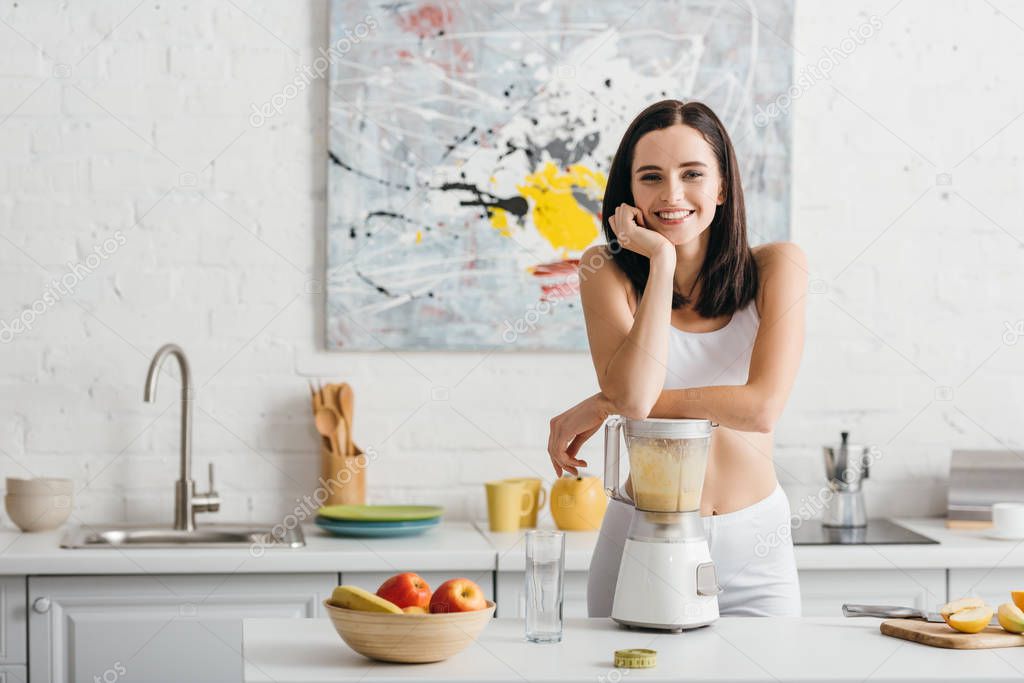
114, 118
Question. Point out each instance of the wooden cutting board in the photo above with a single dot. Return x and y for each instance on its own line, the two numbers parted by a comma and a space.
941, 635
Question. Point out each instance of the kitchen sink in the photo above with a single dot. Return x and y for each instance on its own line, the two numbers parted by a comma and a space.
207, 536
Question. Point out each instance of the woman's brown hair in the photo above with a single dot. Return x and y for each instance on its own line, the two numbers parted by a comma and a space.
728, 276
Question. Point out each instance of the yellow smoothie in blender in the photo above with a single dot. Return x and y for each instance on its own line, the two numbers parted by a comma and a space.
667, 475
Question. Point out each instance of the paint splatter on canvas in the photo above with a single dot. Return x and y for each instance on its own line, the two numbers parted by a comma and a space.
469, 143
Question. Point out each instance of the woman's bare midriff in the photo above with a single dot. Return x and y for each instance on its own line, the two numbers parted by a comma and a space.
740, 471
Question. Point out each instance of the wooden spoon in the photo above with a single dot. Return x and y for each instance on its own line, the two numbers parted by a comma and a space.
327, 421
346, 402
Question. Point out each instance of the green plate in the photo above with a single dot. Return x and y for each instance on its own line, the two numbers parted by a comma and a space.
380, 513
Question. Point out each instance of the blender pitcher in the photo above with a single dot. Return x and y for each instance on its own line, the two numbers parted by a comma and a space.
666, 579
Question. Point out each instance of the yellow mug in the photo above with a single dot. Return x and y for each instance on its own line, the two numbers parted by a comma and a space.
539, 496
507, 502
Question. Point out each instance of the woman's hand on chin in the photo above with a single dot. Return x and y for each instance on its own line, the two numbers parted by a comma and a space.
632, 234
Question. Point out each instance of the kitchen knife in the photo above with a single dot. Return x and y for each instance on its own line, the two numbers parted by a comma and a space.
894, 612
890, 612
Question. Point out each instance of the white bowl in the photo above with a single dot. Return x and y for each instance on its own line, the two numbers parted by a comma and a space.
1008, 520
38, 513
46, 486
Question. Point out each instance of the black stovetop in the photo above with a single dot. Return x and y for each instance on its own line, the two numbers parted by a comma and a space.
877, 532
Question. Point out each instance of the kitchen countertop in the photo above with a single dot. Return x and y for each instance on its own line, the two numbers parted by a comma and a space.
451, 545
957, 549
732, 649
461, 545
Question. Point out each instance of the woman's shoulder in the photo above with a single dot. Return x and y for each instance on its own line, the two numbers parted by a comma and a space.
773, 254
598, 270
597, 258
781, 266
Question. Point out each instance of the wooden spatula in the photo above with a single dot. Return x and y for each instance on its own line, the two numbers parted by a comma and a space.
346, 404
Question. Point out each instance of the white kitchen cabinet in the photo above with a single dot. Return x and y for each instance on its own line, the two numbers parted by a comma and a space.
994, 585
823, 591
12, 621
156, 627
14, 674
371, 581
512, 595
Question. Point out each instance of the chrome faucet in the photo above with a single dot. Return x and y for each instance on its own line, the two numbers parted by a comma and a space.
186, 501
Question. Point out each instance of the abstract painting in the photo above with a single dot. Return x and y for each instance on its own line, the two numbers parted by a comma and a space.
469, 144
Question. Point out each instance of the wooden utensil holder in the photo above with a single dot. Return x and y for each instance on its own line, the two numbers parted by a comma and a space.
343, 477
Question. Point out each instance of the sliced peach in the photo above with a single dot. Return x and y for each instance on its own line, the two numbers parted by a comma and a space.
951, 608
1018, 598
1011, 617
971, 620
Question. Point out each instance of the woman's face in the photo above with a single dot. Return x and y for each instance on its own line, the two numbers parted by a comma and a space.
675, 168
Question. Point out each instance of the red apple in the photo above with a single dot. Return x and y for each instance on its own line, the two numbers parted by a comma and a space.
457, 595
406, 590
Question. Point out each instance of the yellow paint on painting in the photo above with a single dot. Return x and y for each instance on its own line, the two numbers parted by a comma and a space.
499, 220
558, 216
419, 236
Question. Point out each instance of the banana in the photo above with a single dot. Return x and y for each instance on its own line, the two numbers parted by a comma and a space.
353, 597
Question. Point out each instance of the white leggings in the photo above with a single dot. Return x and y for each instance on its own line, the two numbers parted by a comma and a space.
752, 550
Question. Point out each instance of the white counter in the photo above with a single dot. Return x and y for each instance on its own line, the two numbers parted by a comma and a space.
956, 549
449, 546
461, 545
732, 649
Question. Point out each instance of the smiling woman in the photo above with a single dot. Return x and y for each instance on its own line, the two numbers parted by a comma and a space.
673, 305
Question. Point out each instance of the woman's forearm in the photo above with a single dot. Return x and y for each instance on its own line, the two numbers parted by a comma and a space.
739, 407
635, 374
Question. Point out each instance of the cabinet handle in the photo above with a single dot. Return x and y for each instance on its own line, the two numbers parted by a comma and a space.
41, 605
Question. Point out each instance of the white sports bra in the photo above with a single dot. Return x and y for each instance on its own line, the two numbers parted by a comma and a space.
721, 357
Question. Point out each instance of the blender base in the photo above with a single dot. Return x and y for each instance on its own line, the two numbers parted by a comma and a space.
659, 627
657, 586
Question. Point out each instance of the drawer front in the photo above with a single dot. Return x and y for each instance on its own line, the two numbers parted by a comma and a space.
994, 585
13, 620
512, 595
13, 673
157, 627
823, 592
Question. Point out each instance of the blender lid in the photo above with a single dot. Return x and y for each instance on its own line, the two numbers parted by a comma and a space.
666, 428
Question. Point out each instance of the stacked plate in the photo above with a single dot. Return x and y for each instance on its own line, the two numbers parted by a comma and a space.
378, 521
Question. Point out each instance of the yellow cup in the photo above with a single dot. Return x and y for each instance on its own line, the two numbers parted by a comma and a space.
507, 502
538, 495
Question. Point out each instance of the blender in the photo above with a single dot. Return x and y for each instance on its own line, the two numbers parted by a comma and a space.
667, 580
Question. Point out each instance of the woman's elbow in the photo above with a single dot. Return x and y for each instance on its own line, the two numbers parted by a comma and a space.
763, 420
631, 406
635, 411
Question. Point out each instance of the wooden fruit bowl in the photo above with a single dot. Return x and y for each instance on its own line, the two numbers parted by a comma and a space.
408, 638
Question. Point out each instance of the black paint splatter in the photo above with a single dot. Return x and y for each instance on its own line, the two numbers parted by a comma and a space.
517, 206
335, 159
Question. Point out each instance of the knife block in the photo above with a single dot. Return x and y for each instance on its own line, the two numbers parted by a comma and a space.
343, 477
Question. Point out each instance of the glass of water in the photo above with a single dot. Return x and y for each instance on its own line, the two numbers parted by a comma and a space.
545, 578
